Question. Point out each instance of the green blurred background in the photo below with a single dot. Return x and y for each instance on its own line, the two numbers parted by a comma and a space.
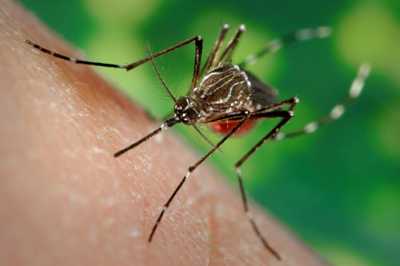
339, 189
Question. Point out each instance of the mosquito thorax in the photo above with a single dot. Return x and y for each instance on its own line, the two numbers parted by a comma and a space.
186, 110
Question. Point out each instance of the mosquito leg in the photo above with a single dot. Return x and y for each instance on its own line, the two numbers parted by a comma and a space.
197, 61
275, 106
261, 113
126, 67
189, 172
291, 38
228, 52
167, 124
210, 62
286, 116
71, 59
337, 111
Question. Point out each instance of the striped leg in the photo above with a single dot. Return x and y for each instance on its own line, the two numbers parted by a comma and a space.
210, 62
170, 122
291, 38
127, 67
285, 117
189, 172
337, 111
228, 52
197, 61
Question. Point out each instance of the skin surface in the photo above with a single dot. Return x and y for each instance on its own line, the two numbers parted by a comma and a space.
66, 201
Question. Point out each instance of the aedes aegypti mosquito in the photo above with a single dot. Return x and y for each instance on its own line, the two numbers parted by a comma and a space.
230, 99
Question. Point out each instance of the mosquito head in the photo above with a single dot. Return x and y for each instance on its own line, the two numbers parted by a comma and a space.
186, 110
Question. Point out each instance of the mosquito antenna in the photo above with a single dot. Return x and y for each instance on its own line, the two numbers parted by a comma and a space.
172, 96
167, 124
159, 75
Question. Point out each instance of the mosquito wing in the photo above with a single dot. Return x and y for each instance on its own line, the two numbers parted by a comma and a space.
261, 93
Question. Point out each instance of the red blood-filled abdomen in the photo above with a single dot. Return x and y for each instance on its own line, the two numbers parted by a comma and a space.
224, 127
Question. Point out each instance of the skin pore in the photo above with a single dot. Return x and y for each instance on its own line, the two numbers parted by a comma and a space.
66, 201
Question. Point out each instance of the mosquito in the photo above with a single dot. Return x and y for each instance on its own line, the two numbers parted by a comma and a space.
230, 99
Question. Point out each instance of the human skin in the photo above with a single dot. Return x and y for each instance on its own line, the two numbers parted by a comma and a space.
64, 199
